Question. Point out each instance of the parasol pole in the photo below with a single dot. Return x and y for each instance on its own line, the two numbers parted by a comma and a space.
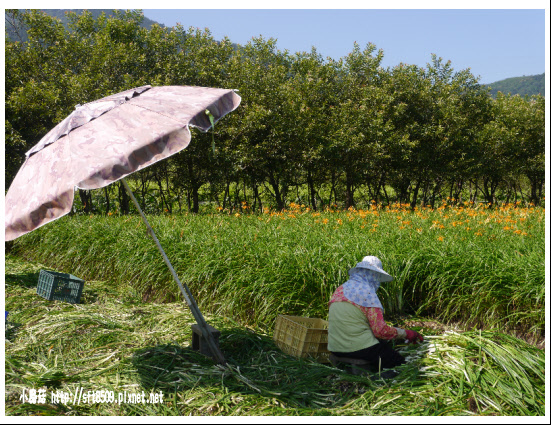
215, 350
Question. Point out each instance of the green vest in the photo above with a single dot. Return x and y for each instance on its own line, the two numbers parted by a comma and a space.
348, 329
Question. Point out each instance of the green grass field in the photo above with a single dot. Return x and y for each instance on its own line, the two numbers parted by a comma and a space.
468, 278
113, 342
481, 267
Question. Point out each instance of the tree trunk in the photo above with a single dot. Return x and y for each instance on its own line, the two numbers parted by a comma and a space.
86, 199
237, 202
195, 196
188, 199
380, 185
194, 187
256, 198
312, 191
415, 194
404, 190
425, 196
458, 191
536, 186
106, 193
473, 196
226, 194
333, 191
164, 200
349, 191
245, 192
489, 189
386, 196
278, 193
124, 200
144, 188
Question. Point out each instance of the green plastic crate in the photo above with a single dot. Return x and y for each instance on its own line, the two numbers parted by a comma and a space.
59, 286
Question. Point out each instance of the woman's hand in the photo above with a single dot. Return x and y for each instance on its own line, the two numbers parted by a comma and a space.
413, 336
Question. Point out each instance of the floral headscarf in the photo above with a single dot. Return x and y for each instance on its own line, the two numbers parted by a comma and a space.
362, 287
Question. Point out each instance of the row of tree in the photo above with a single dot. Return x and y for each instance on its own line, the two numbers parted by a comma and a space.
309, 129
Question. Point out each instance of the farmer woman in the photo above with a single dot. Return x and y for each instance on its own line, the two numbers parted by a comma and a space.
356, 325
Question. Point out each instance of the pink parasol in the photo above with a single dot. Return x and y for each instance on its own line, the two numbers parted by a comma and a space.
103, 141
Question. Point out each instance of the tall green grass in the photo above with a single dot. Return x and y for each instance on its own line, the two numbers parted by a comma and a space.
482, 267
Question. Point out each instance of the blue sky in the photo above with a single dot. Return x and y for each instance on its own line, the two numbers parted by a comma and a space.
495, 43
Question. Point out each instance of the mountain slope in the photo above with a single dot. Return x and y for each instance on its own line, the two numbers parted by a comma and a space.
523, 86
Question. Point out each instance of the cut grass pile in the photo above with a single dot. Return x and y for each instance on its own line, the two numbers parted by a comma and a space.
115, 342
482, 267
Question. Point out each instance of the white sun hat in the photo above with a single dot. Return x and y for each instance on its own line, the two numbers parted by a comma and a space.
373, 263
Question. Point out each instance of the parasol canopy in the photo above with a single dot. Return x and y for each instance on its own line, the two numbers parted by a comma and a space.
103, 141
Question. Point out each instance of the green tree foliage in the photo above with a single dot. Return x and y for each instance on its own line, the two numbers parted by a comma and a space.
310, 130
312, 98
439, 112
358, 146
512, 145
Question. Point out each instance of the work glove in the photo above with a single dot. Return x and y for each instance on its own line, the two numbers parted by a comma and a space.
413, 336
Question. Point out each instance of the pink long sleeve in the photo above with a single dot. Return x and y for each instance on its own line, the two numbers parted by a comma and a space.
378, 325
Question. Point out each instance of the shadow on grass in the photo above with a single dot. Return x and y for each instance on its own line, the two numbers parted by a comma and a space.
24, 280
255, 366
11, 329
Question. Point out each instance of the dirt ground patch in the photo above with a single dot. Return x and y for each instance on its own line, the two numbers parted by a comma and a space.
438, 327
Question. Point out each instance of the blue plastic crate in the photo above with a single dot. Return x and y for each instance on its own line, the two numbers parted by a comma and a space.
59, 286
